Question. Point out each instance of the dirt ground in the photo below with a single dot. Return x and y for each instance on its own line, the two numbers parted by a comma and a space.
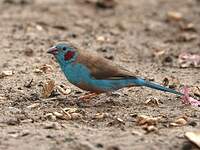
138, 35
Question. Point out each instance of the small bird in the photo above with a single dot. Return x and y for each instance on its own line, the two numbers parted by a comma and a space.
91, 72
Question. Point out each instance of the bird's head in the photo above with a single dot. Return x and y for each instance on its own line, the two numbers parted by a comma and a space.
64, 52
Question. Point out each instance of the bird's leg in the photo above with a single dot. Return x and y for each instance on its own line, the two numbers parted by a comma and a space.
88, 96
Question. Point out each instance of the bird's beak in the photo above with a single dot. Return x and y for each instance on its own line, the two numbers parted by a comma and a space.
52, 50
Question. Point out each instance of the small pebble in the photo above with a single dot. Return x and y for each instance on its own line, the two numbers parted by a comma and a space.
52, 125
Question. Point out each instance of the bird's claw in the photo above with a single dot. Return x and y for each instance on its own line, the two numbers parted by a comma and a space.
87, 97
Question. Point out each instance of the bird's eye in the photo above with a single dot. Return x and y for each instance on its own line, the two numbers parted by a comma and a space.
64, 48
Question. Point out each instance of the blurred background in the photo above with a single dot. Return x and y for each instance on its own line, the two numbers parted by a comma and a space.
156, 39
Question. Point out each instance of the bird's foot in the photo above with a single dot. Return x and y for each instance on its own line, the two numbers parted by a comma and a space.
87, 97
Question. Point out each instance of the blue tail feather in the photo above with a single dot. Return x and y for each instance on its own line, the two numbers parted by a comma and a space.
152, 85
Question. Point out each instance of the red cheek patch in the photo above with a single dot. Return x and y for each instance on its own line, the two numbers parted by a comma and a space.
69, 55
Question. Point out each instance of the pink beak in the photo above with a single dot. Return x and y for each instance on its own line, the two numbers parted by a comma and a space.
52, 50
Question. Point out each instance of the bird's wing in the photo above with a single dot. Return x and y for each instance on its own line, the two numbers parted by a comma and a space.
101, 68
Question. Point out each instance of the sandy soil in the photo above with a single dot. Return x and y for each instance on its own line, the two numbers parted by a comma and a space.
130, 34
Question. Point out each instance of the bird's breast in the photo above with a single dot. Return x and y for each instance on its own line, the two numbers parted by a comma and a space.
76, 73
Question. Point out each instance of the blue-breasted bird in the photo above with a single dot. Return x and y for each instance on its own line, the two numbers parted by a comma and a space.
91, 72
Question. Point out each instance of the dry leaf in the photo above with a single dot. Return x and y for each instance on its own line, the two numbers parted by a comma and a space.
72, 113
63, 90
151, 128
50, 116
46, 68
70, 110
76, 116
152, 101
187, 60
33, 105
48, 88
158, 52
179, 122
186, 37
67, 114
196, 90
38, 71
143, 119
63, 116
188, 27
6, 73
171, 82
57, 114
101, 115
194, 137
120, 120
173, 15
